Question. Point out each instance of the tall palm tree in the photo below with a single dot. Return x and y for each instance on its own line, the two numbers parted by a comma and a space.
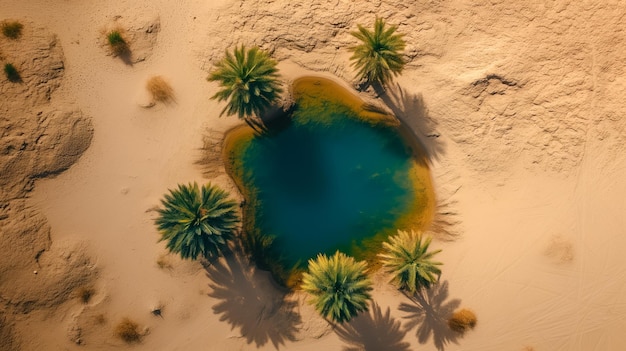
197, 221
249, 81
379, 57
406, 257
338, 285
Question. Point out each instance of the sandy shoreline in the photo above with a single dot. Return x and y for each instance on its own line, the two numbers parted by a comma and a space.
519, 107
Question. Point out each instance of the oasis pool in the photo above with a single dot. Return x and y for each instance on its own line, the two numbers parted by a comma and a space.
337, 177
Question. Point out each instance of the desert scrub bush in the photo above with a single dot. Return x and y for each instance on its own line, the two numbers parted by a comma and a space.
160, 90
12, 29
86, 293
11, 72
118, 44
128, 331
462, 320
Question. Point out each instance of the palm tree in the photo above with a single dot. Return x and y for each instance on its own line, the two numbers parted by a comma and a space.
249, 81
379, 56
405, 256
197, 221
338, 285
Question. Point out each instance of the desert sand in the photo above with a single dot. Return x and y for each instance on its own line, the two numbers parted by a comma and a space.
519, 106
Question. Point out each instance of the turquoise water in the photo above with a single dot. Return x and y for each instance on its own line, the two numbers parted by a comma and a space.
327, 181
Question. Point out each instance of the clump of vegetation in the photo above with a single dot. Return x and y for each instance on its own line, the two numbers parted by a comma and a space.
197, 221
379, 56
128, 331
160, 90
406, 257
118, 44
339, 286
249, 82
86, 293
12, 29
12, 74
462, 320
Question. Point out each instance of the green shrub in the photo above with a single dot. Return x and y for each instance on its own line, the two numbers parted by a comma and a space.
12, 30
462, 320
128, 331
12, 74
117, 42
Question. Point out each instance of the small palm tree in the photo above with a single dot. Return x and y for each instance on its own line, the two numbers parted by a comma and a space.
406, 257
338, 285
249, 81
379, 56
197, 221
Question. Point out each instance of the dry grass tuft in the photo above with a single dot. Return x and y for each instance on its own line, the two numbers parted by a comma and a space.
12, 29
86, 293
462, 320
118, 44
128, 331
160, 90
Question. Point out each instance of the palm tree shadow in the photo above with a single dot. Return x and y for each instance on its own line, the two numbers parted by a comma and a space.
373, 331
429, 312
412, 113
250, 302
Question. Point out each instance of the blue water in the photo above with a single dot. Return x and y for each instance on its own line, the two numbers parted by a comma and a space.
327, 181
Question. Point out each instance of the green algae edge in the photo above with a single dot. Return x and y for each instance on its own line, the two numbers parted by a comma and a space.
418, 217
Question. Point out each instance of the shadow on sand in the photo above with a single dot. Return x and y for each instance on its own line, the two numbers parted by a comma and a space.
373, 331
412, 112
249, 301
125, 54
429, 311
